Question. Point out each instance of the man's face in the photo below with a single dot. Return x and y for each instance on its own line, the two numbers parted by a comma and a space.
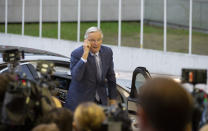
95, 39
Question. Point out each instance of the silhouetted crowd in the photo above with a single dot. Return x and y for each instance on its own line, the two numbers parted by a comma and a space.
163, 105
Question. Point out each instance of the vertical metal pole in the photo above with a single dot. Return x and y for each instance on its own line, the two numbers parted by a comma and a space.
190, 28
23, 16
165, 26
40, 20
98, 21
119, 23
78, 21
142, 23
59, 19
6, 16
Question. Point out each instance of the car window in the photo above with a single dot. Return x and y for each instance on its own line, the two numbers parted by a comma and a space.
140, 79
140, 75
21, 70
24, 69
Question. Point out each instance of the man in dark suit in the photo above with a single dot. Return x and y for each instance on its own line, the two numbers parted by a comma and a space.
91, 65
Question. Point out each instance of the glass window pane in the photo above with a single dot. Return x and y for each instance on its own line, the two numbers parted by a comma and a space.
50, 18
14, 16
32, 17
87, 16
130, 23
200, 28
153, 24
130, 34
139, 81
110, 29
2, 16
69, 19
178, 21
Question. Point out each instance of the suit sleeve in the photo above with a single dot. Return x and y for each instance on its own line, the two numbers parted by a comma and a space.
111, 79
77, 67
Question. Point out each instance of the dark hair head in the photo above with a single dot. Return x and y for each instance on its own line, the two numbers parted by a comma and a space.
167, 105
62, 117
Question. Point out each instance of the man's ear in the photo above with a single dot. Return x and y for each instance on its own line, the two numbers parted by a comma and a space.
142, 117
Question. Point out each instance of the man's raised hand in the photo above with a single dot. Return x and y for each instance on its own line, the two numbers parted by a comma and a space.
86, 48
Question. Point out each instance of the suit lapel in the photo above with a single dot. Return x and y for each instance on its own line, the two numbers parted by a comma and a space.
101, 54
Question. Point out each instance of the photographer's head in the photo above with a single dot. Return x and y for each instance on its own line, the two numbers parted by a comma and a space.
62, 117
164, 105
5, 79
88, 117
46, 127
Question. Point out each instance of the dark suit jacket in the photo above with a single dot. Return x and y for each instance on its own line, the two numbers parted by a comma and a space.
84, 78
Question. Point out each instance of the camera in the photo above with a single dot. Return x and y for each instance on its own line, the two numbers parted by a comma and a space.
25, 101
11, 56
117, 118
200, 114
194, 76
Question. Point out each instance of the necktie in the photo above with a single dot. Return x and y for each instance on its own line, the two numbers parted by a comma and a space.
99, 71
99, 74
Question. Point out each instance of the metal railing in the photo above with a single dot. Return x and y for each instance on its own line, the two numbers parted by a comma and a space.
99, 21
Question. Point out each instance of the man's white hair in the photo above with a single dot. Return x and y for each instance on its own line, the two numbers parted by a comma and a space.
92, 29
